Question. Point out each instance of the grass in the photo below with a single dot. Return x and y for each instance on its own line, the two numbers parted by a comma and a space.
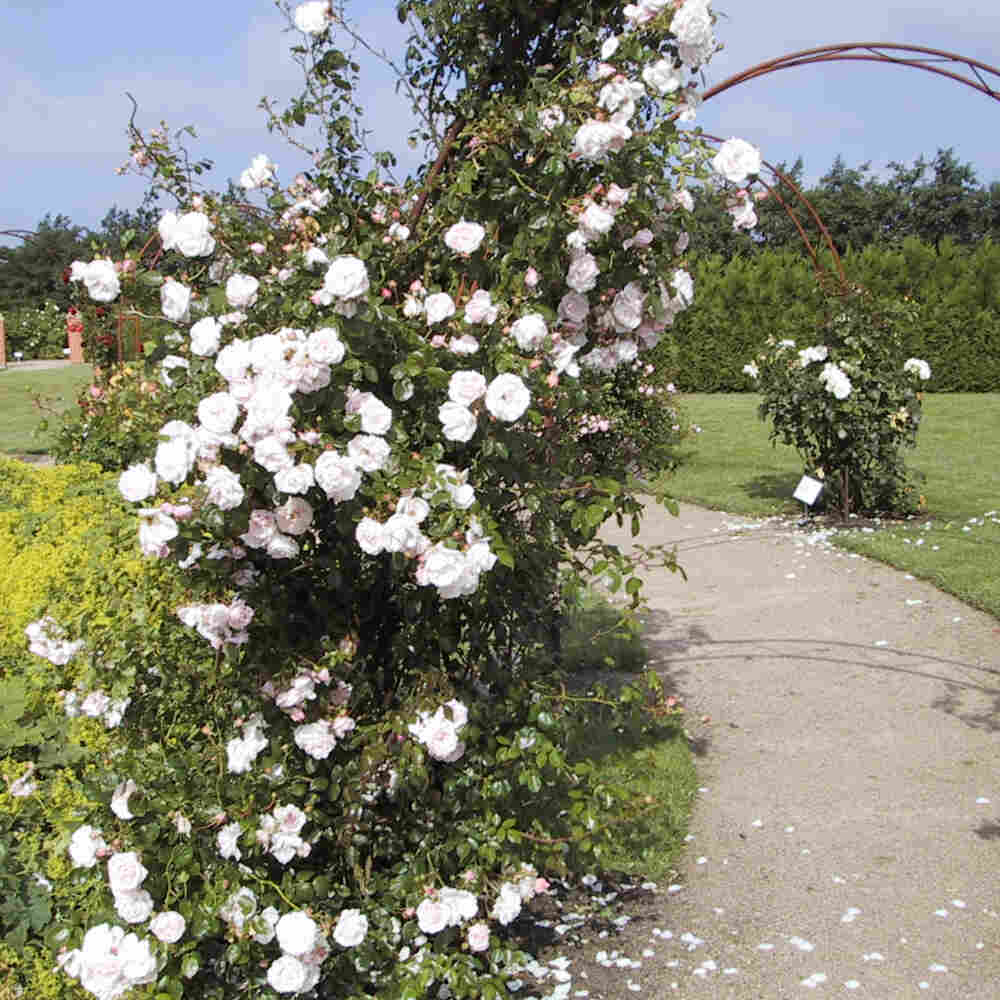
956, 463
656, 767
20, 416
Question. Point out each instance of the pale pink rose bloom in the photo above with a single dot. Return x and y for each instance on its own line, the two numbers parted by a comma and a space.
168, 926
466, 387
478, 937
464, 237
369, 534
432, 917
351, 928
438, 307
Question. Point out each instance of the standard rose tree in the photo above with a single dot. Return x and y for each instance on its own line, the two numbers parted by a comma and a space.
346, 753
849, 404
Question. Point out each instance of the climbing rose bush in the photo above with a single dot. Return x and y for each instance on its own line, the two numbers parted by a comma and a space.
848, 401
349, 761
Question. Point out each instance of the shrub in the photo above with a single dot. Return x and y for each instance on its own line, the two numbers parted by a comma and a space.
37, 332
849, 403
340, 713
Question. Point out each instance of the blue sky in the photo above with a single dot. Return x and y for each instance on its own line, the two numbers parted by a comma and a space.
65, 68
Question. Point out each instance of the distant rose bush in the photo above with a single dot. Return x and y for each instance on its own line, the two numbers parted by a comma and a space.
849, 404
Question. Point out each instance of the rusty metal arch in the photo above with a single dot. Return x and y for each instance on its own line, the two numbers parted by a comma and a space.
913, 56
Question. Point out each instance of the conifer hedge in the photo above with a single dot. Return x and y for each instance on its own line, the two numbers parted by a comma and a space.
743, 301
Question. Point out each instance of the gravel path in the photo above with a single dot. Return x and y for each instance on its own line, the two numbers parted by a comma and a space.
847, 837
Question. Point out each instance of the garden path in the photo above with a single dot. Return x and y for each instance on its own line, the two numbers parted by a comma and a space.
847, 836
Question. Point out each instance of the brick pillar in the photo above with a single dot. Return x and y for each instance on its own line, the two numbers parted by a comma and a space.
74, 331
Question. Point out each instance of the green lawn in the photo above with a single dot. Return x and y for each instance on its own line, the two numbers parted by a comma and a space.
733, 467
19, 414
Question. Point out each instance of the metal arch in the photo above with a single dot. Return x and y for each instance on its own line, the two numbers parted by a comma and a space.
929, 60
917, 57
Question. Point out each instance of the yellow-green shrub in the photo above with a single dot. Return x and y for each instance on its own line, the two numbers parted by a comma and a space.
69, 550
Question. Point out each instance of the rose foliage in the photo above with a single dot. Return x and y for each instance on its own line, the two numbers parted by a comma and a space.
849, 401
354, 759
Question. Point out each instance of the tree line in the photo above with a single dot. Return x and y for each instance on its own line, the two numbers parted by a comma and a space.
931, 200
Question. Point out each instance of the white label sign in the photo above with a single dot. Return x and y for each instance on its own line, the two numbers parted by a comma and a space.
808, 490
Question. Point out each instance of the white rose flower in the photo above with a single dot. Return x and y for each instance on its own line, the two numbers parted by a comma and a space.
218, 412
480, 308
168, 926
241, 752
191, 235
438, 307
582, 273
296, 479
835, 381
101, 280
351, 928
692, 26
461, 904
663, 77
312, 18
628, 307
259, 173
458, 422
464, 237
736, 160
281, 546
166, 227
917, 367
529, 331
508, 904
337, 475
507, 397
683, 285
751, 369
241, 291
574, 308
297, 933
155, 530
269, 453
401, 533
84, 846
369, 452
119, 800
464, 345
224, 488
287, 974
325, 347
594, 139
174, 460
294, 516
205, 337
125, 871
478, 937
317, 739
133, 905
376, 417
228, 841
466, 387
369, 536
347, 278
175, 299
137, 483
432, 917
440, 566
137, 961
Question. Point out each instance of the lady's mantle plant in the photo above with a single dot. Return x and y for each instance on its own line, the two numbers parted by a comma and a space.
849, 403
355, 765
